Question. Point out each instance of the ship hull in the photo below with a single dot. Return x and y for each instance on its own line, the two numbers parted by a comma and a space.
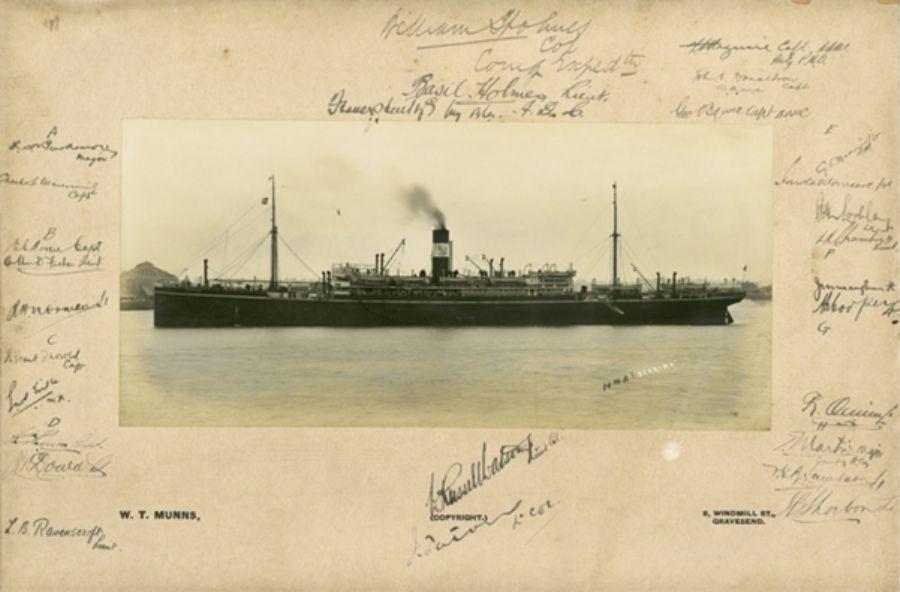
184, 308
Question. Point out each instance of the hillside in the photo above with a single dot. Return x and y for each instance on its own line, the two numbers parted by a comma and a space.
136, 284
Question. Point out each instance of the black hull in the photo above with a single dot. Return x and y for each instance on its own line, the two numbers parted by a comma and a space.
186, 308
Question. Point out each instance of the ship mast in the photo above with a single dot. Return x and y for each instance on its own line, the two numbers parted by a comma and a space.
615, 237
273, 282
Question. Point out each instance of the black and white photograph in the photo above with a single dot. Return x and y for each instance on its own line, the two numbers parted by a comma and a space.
516, 275
448, 296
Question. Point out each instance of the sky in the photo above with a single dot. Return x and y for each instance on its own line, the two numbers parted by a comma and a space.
693, 198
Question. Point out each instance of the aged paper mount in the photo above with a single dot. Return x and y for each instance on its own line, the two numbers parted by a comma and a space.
99, 492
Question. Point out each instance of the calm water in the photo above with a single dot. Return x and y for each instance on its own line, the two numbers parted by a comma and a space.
467, 377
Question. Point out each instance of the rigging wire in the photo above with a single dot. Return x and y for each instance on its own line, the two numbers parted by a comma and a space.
242, 227
249, 222
627, 257
583, 255
632, 253
225, 250
250, 256
215, 239
590, 226
635, 260
311, 270
242, 258
598, 259
239, 261
214, 242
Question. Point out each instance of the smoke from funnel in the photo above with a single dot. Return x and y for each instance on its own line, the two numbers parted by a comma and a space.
418, 200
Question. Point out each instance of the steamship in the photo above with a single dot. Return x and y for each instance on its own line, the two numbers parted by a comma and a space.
369, 295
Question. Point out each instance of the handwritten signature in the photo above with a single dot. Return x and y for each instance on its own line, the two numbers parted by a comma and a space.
42, 390
837, 472
89, 153
47, 256
75, 191
94, 535
480, 471
516, 515
54, 465
842, 412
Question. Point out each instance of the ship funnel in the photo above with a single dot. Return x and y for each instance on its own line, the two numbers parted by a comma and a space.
441, 253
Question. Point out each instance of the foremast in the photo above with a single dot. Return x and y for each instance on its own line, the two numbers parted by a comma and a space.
273, 281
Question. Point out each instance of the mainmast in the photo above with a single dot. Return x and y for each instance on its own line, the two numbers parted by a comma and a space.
615, 237
273, 282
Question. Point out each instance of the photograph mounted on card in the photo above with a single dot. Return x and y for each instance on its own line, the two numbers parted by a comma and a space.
512, 275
